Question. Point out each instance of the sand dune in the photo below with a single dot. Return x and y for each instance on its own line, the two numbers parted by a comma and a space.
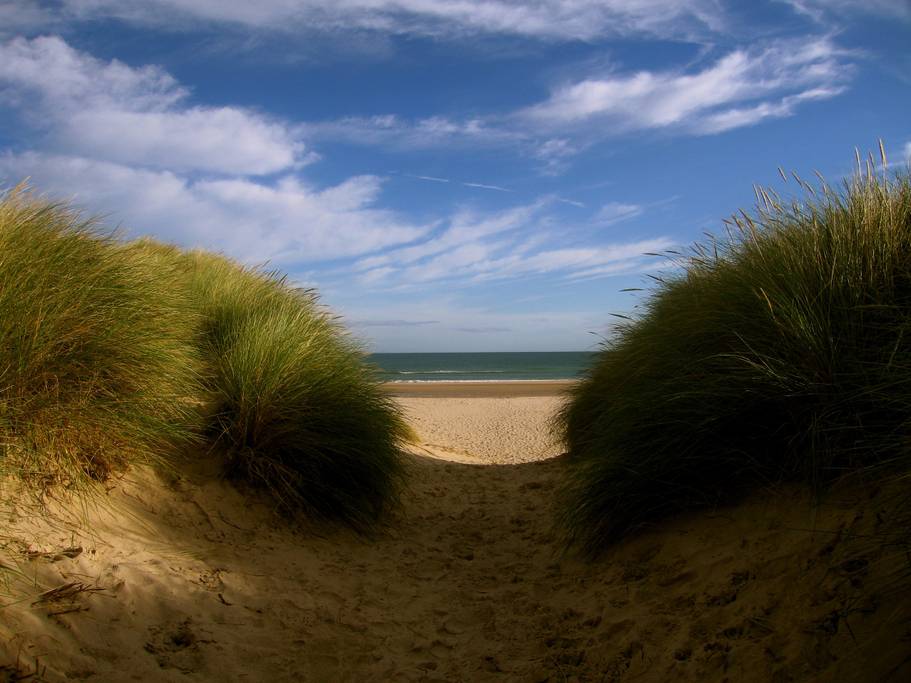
182, 579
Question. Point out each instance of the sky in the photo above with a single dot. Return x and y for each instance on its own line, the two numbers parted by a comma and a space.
460, 175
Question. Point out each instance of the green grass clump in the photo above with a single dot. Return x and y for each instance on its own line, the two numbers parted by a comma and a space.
96, 362
780, 353
294, 408
116, 353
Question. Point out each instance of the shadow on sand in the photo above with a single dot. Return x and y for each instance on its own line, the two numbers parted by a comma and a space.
467, 582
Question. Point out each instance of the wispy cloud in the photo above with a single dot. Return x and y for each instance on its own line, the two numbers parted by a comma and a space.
393, 323
483, 186
483, 330
571, 202
392, 130
740, 89
614, 212
544, 19
431, 178
465, 227
17, 16
464, 183
739, 117
519, 242
555, 153
820, 10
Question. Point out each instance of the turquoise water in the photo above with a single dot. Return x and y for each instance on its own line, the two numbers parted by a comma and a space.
488, 367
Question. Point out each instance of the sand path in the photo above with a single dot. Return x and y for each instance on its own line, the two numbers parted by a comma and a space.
467, 583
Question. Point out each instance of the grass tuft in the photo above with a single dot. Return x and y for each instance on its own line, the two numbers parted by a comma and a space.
116, 353
294, 408
96, 362
781, 352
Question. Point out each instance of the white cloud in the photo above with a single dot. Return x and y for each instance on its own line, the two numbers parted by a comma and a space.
748, 116
430, 178
394, 131
484, 186
463, 183
769, 82
139, 116
555, 153
17, 16
288, 223
223, 139
465, 227
614, 212
393, 323
625, 267
618, 256
549, 19
819, 9
508, 244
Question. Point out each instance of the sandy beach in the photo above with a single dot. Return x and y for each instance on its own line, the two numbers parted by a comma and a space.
512, 389
181, 578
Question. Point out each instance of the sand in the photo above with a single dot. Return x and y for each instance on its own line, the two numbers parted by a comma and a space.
469, 389
183, 579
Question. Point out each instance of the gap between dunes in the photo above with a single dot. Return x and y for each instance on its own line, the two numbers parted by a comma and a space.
182, 579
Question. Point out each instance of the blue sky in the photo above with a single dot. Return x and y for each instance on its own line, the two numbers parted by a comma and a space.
459, 175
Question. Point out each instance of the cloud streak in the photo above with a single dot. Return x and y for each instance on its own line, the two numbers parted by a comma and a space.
740, 89
483, 186
393, 323
514, 243
543, 19
615, 212
820, 10
492, 329
464, 183
391, 130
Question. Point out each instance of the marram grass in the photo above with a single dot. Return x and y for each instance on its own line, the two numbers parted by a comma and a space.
115, 353
96, 361
296, 411
780, 353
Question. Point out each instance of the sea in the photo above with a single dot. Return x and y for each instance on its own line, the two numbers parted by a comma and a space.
481, 367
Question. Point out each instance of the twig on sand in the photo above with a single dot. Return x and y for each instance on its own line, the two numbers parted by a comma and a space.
63, 599
54, 556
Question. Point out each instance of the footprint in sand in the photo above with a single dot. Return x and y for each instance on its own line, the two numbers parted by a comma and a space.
176, 646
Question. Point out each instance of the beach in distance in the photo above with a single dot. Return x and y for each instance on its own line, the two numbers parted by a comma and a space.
468, 389
481, 375
481, 367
